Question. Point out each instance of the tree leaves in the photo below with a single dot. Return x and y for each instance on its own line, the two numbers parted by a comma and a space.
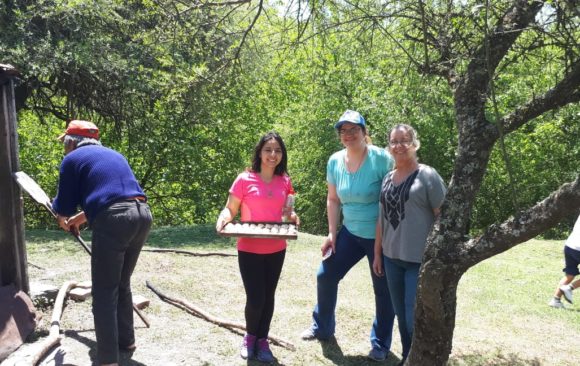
159, 78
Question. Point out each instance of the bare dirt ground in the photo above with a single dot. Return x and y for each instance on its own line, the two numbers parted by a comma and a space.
522, 336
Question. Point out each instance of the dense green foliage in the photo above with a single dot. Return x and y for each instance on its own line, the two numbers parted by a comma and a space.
171, 88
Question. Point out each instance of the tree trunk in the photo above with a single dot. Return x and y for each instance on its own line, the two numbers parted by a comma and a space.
444, 260
434, 314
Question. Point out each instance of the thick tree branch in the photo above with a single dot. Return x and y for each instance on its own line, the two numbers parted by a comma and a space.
530, 223
508, 29
565, 92
498, 43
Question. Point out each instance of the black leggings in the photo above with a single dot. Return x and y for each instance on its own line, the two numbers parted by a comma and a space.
260, 274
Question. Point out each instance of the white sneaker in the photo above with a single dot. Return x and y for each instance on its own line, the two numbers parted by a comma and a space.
567, 291
556, 303
308, 334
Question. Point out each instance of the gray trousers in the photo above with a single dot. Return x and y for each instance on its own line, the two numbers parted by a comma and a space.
119, 233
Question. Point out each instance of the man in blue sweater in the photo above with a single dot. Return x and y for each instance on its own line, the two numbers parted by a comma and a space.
100, 181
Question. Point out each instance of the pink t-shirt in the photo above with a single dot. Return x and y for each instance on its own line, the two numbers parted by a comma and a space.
262, 202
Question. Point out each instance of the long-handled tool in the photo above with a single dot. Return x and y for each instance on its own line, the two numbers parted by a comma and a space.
39, 195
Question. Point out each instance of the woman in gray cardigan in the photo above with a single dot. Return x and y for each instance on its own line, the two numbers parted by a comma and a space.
410, 198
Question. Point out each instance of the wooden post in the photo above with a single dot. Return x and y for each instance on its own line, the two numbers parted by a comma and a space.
13, 262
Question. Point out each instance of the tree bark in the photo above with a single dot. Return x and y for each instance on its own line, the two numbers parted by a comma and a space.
440, 274
434, 313
450, 252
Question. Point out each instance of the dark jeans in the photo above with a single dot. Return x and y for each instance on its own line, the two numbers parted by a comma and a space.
350, 249
119, 233
260, 274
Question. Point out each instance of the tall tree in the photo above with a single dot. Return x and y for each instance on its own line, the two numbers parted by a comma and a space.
158, 78
450, 251
474, 47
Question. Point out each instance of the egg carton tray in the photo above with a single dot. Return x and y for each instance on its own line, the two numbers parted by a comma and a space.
255, 229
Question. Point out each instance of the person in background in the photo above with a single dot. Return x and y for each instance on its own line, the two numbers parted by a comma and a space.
410, 199
354, 175
572, 262
260, 193
100, 181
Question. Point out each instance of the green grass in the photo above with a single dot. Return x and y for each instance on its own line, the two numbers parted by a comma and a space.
502, 316
506, 296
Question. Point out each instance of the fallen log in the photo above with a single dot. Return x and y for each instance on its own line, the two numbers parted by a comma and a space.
194, 310
54, 334
179, 251
136, 309
41, 348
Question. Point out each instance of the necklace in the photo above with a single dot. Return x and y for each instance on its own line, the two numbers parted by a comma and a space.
401, 174
363, 156
352, 176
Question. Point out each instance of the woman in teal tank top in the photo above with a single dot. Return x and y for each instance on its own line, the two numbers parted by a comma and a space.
354, 177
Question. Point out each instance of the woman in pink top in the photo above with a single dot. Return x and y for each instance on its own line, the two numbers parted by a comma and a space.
260, 193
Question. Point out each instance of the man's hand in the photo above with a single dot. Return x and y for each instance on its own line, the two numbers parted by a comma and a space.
62, 222
74, 222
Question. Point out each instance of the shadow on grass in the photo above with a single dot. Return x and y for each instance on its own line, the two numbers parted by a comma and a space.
124, 357
196, 236
40, 235
189, 236
58, 240
332, 351
492, 359
258, 363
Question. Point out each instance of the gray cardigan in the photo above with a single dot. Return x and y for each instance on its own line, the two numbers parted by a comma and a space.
406, 212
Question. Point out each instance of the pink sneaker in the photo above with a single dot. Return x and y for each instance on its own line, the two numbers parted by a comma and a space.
248, 346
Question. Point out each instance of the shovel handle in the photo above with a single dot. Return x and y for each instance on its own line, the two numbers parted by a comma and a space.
81, 242
38, 194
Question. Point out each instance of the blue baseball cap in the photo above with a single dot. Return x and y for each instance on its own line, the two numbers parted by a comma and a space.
352, 117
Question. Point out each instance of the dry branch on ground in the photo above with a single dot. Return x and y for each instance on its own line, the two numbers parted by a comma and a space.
179, 251
194, 310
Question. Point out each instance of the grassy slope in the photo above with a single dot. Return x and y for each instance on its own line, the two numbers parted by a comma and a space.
502, 316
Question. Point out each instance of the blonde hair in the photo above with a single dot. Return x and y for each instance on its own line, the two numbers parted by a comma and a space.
410, 131
368, 139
